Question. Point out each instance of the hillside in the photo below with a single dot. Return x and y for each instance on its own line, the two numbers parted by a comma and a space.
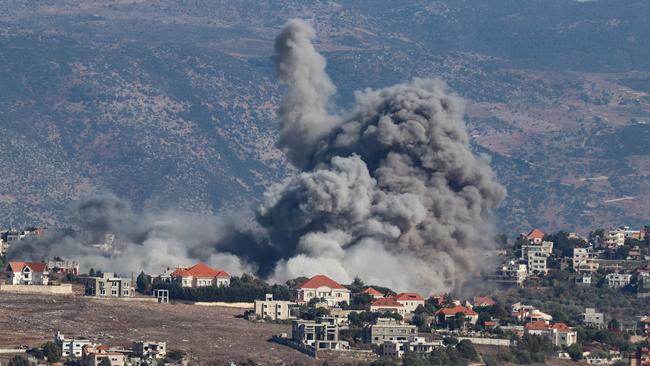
171, 104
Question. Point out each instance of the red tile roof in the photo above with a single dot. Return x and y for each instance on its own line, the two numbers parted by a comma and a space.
535, 234
386, 302
455, 310
561, 327
537, 325
489, 324
483, 301
33, 266
404, 296
372, 292
321, 281
199, 270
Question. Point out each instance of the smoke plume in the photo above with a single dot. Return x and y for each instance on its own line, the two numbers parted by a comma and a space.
388, 191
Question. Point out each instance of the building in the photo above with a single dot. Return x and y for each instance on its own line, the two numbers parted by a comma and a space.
321, 334
410, 301
323, 287
373, 292
385, 304
535, 236
417, 345
536, 256
63, 267
585, 260
483, 301
583, 280
150, 349
559, 333
511, 273
529, 313
643, 286
388, 329
615, 237
109, 286
27, 273
93, 355
641, 357
445, 314
200, 275
592, 318
273, 309
618, 280
71, 347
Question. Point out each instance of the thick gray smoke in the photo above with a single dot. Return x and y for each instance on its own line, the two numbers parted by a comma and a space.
146, 241
389, 192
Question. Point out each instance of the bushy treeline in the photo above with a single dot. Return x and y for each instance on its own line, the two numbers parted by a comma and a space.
242, 289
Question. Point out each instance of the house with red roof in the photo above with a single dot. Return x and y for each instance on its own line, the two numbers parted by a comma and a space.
387, 304
92, 355
200, 275
373, 292
410, 301
323, 287
535, 236
445, 314
27, 273
559, 333
483, 301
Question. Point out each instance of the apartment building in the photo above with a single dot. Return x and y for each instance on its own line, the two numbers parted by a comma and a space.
273, 309
109, 285
321, 334
388, 329
585, 260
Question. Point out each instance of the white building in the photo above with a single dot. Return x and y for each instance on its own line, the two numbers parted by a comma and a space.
615, 237
559, 333
150, 349
200, 275
585, 260
410, 301
592, 318
536, 256
71, 347
512, 273
109, 285
617, 280
273, 309
323, 287
417, 345
27, 273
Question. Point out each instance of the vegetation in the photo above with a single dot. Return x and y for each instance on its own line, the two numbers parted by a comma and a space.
242, 289
52, 351
18, 360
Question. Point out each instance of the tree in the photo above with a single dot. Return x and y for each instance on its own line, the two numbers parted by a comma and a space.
91, 272
18, 360
466, 350
142, 282
575, 351
52, 351
105, 362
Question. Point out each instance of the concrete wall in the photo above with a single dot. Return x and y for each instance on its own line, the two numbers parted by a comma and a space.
487, 341
63, 289
238, 305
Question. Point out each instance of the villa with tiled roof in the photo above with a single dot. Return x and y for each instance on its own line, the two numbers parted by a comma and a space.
200, 275
27, 273
323, 287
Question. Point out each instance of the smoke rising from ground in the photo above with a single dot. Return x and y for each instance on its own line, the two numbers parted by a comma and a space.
389, 192
145, 241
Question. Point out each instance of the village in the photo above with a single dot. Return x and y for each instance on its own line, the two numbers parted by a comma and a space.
552, 298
